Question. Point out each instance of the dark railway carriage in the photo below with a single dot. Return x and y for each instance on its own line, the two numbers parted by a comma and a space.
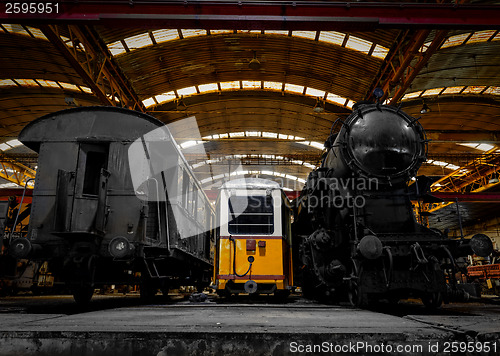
115, 203
355, 225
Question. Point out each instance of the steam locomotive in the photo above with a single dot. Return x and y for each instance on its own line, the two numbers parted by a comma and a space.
355, 234
115, 202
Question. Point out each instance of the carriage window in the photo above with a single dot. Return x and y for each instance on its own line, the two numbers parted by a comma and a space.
95, 161
251, 215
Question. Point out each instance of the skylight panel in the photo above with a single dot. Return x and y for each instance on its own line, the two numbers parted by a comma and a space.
218, 32
48, 83
270, 134
193, 33
37, 33
116, 48
310, 35
249, 84
380, 52
138, 41
492, 90
478, 146
358, 44
28, 83
317, 145
315, 92
148, 102
473, 90
162, 98
230, 85
86, 90
485, 147
276, 32
165, 35
415, 94
69, 86
456, 40
453, 90
236, 134
252, 133
187, 91
350, 104
333, 37
434, 91
15, 29
294, 88
481, 36
7, 83
336, 99
14, 143
249, 31
273, 85
204, 88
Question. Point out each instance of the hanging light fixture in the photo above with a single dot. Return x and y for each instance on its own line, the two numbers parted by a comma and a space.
319, 106
425, 109
180, 104
254, 62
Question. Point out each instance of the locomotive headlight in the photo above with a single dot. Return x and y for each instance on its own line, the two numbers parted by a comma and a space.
120, 247
20, 248
370, 247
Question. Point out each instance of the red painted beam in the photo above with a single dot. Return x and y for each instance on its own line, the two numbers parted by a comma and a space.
469, 197
285, 15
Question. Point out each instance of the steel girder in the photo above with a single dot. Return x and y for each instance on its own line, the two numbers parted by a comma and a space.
92, 61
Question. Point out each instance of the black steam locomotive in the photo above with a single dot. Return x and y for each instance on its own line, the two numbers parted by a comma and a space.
115, 202
355, 227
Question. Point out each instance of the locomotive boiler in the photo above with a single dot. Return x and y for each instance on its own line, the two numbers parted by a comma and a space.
115, 202
355, 225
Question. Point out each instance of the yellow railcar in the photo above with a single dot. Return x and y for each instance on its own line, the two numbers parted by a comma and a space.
254, 244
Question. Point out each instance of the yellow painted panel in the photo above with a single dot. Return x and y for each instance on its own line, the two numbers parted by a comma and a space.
268, 260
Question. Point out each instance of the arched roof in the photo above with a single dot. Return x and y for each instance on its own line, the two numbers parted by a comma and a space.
212, 74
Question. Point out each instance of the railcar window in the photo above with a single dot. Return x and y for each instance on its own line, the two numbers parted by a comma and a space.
251, 215
95, 161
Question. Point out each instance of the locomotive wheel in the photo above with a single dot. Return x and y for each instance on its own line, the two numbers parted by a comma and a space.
83, 294
432, 300
147, 292
355, 296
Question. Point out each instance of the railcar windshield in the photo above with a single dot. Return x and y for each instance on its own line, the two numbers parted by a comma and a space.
251, 215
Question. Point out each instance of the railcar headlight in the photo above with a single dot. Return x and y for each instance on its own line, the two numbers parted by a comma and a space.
120, 247
370, 247
20, 248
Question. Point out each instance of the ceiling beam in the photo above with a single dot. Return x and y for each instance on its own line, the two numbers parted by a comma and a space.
282, 15
15, 172
95, 64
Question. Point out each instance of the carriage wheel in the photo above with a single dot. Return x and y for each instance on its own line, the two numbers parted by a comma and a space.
83, 294
432, 300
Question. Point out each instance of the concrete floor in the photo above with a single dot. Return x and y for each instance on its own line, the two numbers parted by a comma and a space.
118, 325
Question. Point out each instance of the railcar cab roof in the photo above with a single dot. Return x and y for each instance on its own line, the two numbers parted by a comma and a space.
97, 123
251, 183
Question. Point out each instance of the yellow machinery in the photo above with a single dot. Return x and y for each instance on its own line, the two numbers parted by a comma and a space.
253, 252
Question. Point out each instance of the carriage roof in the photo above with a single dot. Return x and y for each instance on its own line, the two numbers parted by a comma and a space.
99, 123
